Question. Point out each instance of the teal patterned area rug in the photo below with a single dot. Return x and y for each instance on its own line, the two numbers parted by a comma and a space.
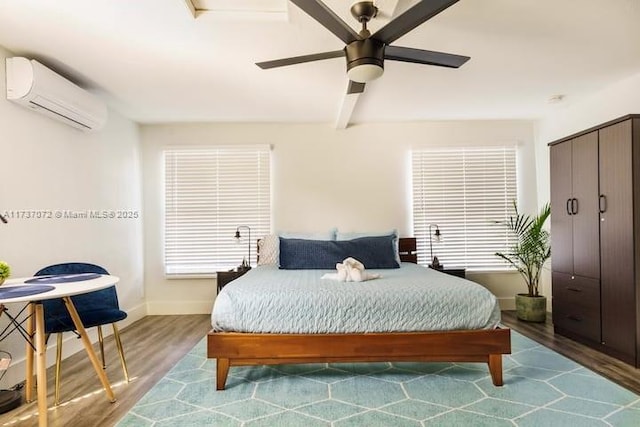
542, 388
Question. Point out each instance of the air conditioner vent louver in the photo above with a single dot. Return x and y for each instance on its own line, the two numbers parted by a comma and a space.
35, 86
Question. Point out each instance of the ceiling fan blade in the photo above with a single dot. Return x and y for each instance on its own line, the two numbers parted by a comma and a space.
300, 59
419, 56
410, 19
328, 19
355, 87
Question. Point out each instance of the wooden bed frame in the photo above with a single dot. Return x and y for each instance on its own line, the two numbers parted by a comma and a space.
242, 349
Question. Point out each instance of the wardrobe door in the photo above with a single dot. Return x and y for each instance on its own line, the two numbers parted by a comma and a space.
561, 219
586, 234
616, 240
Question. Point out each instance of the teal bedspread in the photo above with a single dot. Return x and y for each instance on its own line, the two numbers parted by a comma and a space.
411, 298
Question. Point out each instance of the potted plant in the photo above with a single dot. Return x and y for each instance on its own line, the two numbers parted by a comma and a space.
5, 271
528, 255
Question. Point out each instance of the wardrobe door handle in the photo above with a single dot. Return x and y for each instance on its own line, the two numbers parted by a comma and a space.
574, 289
574, 318
568, 206
574, 206
602, 202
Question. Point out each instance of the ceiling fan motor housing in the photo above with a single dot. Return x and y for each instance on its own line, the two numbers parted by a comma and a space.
364, 52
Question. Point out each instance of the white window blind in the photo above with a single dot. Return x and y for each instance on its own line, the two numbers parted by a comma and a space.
464, 191
209, 192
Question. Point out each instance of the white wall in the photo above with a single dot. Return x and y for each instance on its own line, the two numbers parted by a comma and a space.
47, 165
356, 179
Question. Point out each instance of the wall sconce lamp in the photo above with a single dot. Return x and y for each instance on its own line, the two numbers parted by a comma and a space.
246, 262
435, 263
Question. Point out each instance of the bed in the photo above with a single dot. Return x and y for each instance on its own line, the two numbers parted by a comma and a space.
266, 331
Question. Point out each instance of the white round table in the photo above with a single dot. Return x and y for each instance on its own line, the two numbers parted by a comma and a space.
73, 285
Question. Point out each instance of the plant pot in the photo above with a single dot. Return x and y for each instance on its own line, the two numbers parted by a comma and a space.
1, 280
531, 309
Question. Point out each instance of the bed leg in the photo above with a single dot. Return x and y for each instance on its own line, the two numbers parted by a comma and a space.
222, 369
495, 368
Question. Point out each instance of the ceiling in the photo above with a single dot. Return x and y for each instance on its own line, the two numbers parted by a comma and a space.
153, 61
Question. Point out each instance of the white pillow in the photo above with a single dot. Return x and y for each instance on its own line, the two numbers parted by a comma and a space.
341, 235
327, 235
269, 250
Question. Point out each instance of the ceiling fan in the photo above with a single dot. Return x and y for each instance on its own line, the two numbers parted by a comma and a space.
366, 52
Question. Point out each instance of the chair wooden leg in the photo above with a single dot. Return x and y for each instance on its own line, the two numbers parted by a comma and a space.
116, 336
58, 363
101, 341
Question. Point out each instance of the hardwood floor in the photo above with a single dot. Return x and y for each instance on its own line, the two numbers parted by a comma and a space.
154, 344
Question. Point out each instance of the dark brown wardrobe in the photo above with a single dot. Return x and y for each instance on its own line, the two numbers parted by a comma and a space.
595, 237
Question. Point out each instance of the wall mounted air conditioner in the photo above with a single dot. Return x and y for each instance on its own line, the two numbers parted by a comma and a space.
36, 87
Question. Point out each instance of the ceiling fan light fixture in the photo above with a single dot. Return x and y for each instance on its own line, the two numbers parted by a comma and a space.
364, 73
365, 60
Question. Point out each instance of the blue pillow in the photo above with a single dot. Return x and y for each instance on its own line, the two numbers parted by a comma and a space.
300, 254
341, 235
373, 252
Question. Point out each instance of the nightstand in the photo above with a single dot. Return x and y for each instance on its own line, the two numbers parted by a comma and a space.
224, 277
460, 272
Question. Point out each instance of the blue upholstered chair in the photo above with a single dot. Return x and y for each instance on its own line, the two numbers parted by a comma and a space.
94, 308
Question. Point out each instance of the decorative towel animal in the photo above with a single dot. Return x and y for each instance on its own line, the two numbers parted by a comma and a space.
350, 270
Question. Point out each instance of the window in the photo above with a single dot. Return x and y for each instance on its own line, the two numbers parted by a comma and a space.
209, 192
464, 191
